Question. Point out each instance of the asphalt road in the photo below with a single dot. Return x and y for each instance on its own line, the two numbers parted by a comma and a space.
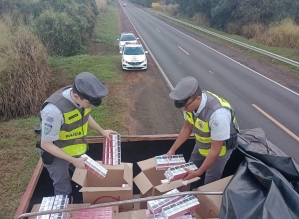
258, 101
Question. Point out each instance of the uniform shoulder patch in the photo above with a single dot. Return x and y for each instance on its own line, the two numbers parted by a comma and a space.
50, 119
47, 128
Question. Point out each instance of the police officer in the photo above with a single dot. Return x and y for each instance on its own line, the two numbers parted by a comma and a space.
212, 120
64, 123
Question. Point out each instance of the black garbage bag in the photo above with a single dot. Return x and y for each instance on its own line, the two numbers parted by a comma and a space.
264, 185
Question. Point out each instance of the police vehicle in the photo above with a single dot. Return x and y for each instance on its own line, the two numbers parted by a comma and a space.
124, 38
133, 57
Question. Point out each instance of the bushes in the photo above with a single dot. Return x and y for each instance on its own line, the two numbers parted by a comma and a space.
24, 71
172, 9
64, 26
60, 33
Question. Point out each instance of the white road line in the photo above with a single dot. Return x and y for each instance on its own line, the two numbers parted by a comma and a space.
211, 72
158, 30
183, 50
276, 122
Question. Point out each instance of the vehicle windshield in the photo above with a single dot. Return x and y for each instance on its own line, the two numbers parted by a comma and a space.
127, 38
133, 51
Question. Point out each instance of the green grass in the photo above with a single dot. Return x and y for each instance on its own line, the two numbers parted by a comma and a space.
18, 155
285, 52
104, 67
103, 31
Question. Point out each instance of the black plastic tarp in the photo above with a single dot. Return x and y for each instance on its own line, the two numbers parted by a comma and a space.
265, 184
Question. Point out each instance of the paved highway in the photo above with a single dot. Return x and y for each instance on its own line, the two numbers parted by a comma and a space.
258, 101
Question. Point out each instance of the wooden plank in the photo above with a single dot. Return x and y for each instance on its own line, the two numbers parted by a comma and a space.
24, 202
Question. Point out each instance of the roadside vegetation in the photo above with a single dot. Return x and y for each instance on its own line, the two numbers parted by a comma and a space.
269, 25
35, 62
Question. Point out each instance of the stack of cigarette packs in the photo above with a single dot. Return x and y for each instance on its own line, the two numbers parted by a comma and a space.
179, 172
181, 207
165, 161
54, 203
161, 216
112, 150
94, 167
155, 206
95, 213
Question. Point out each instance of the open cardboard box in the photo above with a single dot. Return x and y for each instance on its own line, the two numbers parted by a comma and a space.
109, 189
210, 204
149, 181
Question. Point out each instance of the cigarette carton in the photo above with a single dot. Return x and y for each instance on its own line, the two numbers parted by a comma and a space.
181, 207
112, 150
95, 213
165, 161
179, 172
155, 206
94, 167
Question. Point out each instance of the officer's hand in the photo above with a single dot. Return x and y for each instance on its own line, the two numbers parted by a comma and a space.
170, 152
191, 174
106, 133
79, 162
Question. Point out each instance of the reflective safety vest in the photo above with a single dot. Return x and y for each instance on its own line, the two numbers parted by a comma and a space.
72, 135
201, 128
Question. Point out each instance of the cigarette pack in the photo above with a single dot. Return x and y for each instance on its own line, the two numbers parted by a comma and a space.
95, 213
155, 206
94, 167
165, 161
179, 172
112, 150
60, 202
53, 203
181, 207
161, 216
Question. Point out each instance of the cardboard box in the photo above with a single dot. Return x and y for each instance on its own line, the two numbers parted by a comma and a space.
149, 181
210, 204
136, 214
109, 189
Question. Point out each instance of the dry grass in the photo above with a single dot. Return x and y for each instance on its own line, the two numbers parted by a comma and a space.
283, 34
200, 19
102, 5
252, 30
24, 71
171, 9
234, 28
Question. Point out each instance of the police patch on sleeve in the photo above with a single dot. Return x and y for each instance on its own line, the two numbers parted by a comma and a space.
47, 128
50, 119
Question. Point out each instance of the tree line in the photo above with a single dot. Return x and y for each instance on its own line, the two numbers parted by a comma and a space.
220, 13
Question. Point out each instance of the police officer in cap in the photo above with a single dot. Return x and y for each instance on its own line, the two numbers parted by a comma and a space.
64, 123
212, 120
